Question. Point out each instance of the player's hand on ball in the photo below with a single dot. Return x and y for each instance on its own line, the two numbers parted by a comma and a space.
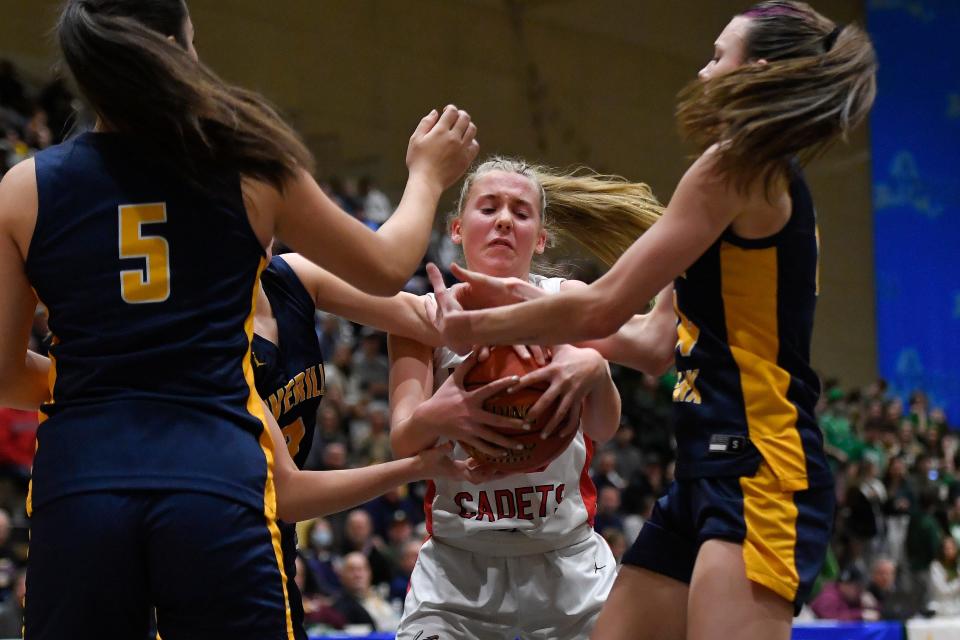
442, 146
436, 462
479, 473
457, 414
449, 318
572, 374
527, 353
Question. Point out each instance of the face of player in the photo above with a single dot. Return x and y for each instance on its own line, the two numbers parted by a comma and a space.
729, 51
500, 227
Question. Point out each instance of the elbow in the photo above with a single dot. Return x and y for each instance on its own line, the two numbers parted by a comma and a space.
600, 324
389, 282
398, 444
663, 359
285, 511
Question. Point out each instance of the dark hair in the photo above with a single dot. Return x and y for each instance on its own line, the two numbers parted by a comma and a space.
818, 84
140, 83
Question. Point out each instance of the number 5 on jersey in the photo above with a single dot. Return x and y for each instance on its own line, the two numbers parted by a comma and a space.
152, 282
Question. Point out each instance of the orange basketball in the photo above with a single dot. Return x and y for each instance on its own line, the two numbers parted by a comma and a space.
537, 453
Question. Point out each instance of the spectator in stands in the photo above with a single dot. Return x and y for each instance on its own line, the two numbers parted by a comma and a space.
839, 439
953, 517
893, 603
370, 366
924, 535
401, 578
37, 133
608, 510
864, 501
360, 603
319, 558
376, 205
944, 590
384, 510
910, 447
629, 458
316, 605
399, 533
845, 599
11, 612
617, 542
359, 537
606, 472
899, 488
372, 436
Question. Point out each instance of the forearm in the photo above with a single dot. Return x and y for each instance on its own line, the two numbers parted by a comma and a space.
401, 315
412, 434
314, 494
639, 346
601, 411
26, 387
403, 238
536, 321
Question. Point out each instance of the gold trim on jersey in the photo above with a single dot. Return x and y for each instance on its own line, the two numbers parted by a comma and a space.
769, 547
255, 407
42, 417
748, 280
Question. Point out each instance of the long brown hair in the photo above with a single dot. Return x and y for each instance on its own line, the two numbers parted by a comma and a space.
818, 84
141, 83
603, 214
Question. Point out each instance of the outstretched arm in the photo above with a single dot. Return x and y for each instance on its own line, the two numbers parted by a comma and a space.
702, 207
310, 494
440, 150
645, 342
403, 314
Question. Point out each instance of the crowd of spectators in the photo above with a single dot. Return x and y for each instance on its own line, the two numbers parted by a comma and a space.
897, 527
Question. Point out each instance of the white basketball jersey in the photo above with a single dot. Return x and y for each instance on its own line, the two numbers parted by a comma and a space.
519, 514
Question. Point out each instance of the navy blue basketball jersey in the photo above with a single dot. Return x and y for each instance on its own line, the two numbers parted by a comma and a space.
289, 375
745, 390
150, 284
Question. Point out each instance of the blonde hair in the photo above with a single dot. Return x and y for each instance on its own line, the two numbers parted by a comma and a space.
603, 214
818, 84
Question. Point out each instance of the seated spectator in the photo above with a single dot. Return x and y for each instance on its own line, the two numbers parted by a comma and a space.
617, 543
944, 594
11, 612
893, 603
376, 205
608, 510
383, 510
629, 458
359, 537
924, 535
845, 599
405, 564
399, 533
359, 603
646, 484
369, 367
371, 436
18, 442
606, 472
319, 559
317, 607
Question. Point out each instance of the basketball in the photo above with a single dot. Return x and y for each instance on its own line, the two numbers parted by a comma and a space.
537, 453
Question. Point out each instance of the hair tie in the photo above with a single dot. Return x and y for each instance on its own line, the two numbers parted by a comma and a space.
831, 38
